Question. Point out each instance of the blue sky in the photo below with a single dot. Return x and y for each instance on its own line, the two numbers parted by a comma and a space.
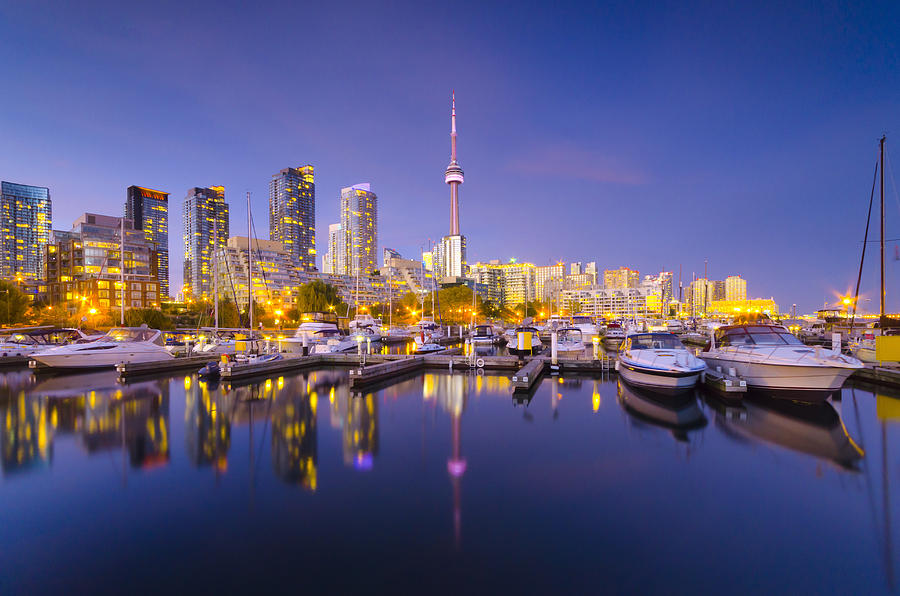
651, 135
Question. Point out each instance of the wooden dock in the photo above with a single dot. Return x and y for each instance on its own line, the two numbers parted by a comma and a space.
724, 383
367, 375
136, 369
528, 375
879, 375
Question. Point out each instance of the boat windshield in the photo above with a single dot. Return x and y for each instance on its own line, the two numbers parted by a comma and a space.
483, 330
655, 341
758, 335
580, 320
121, 334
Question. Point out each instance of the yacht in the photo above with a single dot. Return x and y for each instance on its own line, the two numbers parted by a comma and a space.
428, 328
120, 344
426, 346
614, 336
770, 357
658, 361
309, 332
570, 341
484, 335
26, 341
366, 321
586, 324
675, 326
512, 339
330, 341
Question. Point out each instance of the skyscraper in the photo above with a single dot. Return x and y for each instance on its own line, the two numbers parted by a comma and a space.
451, 255
735, 288
359, 223
205, 229
149, 210
27, 214
335, 260
621, 278
292, 214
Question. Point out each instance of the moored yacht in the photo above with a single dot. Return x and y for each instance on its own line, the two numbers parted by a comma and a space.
532, 346
120, 344
586, 324
614, 336
484, 335
769, 357
570, 341
658, 361
366, 321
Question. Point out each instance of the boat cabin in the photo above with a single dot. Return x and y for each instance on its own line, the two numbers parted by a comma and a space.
756, 335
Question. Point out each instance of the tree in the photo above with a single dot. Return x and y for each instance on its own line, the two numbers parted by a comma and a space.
13, 303
318, 296
152, 317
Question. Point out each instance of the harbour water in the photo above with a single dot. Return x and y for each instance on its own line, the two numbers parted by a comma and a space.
440, 482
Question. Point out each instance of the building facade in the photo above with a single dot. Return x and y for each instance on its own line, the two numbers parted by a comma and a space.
735, 288
450, 257
621, 278
612, 303
27, 219
205, 230
149, 210
83, 266
359, 224
275, 278
292, 214
548, 280
335, 260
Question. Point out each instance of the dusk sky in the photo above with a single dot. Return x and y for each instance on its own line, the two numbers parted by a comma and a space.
651, 135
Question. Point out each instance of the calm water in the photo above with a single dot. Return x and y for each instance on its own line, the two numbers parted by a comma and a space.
440, 483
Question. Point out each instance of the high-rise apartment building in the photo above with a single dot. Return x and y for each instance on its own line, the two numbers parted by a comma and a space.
205, 229
27, 215
575, 268
388, 254
621, 278
359, 224
735, 288
275, 278
292, 214
149, 210
83, 266
548, 280
335, 260
450, 257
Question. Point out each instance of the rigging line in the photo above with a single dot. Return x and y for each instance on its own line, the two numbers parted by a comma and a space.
862, 259
259, 256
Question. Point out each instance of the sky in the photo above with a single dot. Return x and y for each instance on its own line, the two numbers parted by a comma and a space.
652, 135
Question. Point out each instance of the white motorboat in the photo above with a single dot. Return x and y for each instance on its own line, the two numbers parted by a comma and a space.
309, 333
426, 346
658, 361
570, 341
396, 335
656, 325
586, 324
484, 335
366, 323
26, 341
770, 357
429, 328
614, 336
120, 344
331, 341
533, 347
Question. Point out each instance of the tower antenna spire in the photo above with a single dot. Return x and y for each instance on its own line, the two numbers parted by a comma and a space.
454, 174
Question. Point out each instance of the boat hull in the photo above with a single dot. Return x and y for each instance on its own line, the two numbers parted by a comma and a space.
805, 381
97, 360
658, 379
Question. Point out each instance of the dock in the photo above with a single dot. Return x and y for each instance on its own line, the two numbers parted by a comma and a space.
528, 375
137, 369
367, 375
722, 382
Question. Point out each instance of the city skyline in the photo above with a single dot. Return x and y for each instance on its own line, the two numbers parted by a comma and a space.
742, 137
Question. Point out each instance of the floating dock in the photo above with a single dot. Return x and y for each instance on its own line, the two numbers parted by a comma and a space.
137, 369
528, 375
367, 375
724, 383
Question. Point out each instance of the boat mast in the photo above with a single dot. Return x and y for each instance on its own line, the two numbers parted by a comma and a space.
881, 143
122, 274
250, 266
390, 299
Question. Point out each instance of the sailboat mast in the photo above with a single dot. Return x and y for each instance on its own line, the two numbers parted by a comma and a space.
881, 143
249, 265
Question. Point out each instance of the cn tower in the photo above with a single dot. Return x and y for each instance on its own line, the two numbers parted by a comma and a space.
454, 174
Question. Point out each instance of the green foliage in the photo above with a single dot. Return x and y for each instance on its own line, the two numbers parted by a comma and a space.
152, 317
318, 296
13, 304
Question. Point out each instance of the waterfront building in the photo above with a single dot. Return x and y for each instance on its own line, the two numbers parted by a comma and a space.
613, 303
407, 276
548, 280
205, 224
718, 290
27, 219
489, 279
83, 266
591, 269
575, 268
734, 307
275, 278
735, 288
450, 257
292, 214
148, 209
428, 260
621, 278
335, 260
359, 225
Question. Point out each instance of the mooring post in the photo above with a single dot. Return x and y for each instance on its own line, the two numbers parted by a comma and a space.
554, 350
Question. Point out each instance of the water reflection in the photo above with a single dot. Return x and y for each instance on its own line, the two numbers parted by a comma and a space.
678, 413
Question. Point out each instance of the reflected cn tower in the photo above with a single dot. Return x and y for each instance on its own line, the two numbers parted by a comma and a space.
454, 174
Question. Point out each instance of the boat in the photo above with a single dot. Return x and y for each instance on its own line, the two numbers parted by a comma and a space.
25, 341
656, 325
120, 344
658, 361
512, 337
210, 371
675, 326
330, 341
614, 336
396, 335
586, 324
308, 334
426, 346
484, 335
769, 357
569, 341
367, 324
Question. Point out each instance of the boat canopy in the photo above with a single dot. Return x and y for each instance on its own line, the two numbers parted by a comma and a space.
653, 341
123, 334
751, 335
